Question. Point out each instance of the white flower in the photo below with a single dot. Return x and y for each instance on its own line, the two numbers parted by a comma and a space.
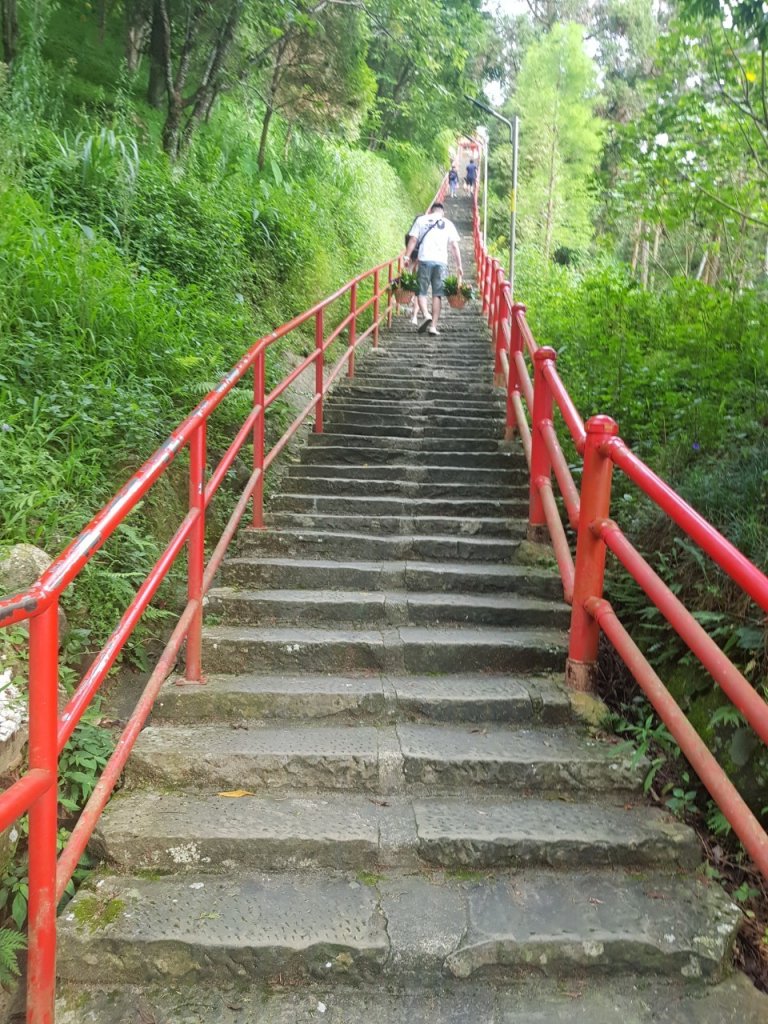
690, 156
662, 139
643, 146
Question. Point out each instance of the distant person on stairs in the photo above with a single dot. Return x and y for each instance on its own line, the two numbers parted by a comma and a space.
453, 180
433, 235
471, 177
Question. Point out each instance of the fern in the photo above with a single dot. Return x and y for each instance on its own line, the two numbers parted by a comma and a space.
11, 943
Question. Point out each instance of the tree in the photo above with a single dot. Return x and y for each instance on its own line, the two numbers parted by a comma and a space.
316, 72
9, 23
560, 140
425, 55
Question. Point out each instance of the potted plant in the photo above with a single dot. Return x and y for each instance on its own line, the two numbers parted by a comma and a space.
458, 293
405, 287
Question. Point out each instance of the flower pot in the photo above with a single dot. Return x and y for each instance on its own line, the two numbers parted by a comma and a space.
457, 301
403, 296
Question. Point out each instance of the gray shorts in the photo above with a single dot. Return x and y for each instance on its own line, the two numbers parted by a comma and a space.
433, 274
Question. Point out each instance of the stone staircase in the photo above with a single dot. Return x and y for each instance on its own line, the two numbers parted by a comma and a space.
383, 806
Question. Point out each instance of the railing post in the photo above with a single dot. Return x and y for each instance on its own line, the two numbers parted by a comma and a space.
196, 552
352, 329
498, 302
504, 313
581, 667
389, 294
319, 368
376, 308
541, 465
491, 291
43, 825
513, 380
259, 396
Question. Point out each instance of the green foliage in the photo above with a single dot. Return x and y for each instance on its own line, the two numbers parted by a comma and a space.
560, 142
11, 944
81, 763
454, 287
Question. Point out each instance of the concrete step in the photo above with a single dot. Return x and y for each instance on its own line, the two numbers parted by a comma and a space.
365, 451
395, 426
469, 476
382, 608
340, 484
425, 758
190, 833
452, 391
493, 409
292, 927
371, 699
394, 649
348, 545
478, 446
445, 577
592, 1000
394, 525
508, 507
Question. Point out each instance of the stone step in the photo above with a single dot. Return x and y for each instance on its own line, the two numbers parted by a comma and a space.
436, 382
181, 832
408, 417
361, 505
489, 409
592, 1000
452, 391
372, 699
405, 444
394, 649
340, 484
348, 545
469, 476
382, 608
394, 525
365, 451
445, 577
396, 427
423, 758
292, 927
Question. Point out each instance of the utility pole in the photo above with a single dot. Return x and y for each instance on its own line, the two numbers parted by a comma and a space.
514, 129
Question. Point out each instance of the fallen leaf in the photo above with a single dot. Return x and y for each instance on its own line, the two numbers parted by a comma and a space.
235, 793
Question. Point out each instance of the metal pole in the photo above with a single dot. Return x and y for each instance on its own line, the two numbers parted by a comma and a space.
486, 143
513, 139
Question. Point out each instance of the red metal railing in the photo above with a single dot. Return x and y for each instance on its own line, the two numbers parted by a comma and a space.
36, 791
587, 512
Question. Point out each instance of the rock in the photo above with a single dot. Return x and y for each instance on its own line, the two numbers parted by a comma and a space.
20, 566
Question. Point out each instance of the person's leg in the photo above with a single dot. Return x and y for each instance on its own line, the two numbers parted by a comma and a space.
414, 310
438, 290
424, 282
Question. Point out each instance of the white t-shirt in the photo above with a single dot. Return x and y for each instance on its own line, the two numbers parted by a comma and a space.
434, 247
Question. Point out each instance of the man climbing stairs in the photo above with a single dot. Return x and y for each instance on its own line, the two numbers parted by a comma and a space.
382, 805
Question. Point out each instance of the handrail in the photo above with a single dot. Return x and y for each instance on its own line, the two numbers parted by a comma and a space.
36, 791
587, 513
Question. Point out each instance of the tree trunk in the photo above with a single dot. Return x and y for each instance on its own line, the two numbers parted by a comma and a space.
138, 18
263, 140
645, 250
158, 47
636, 247
655, 255
550, 215
10, 29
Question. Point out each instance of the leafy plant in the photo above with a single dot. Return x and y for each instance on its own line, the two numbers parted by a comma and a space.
407, 281
453, 286
11, 944
81, 763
